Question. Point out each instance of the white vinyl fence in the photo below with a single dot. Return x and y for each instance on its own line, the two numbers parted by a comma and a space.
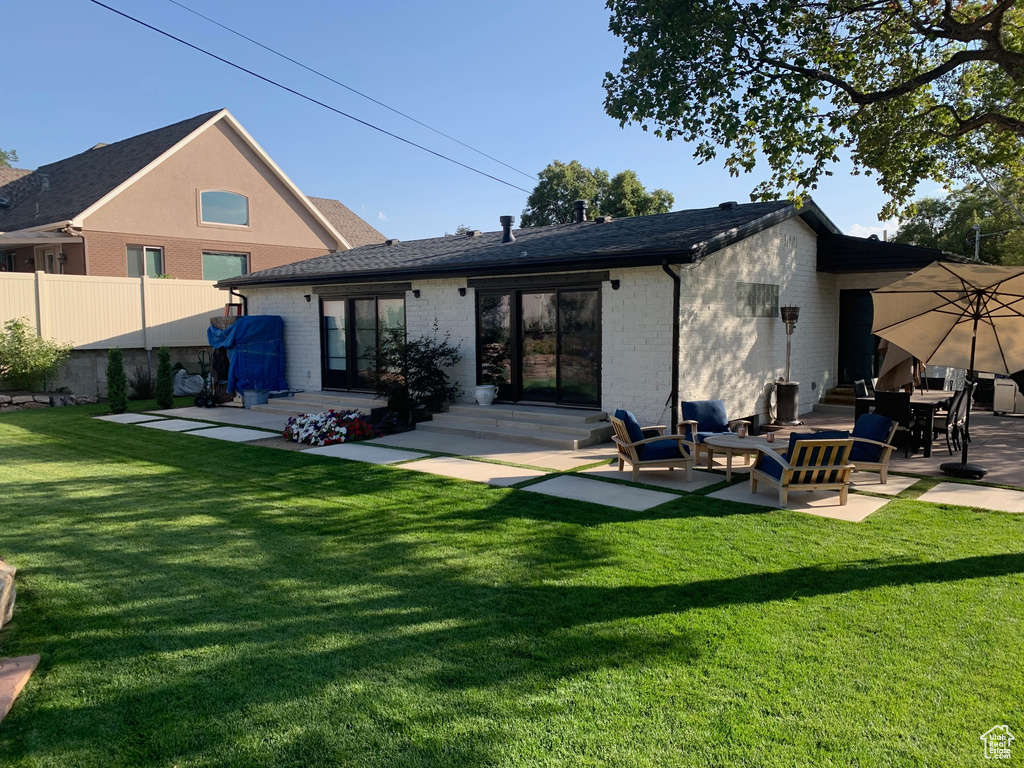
105, 312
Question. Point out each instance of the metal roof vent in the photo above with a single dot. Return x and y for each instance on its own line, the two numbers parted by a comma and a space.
393, 241
728, 206
603, 219
4, 202
579, 211
506, 229
474, 233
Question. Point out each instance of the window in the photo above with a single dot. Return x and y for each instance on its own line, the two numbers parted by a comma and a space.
145, 260
219, 266
224, 208
757, 300
7, 263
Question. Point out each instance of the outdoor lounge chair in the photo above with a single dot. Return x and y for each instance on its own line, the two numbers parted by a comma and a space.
703, 418
872, 443
660, 450
810, 464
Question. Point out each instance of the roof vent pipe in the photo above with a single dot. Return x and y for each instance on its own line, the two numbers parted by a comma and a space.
579, 211
506, 229
728, 206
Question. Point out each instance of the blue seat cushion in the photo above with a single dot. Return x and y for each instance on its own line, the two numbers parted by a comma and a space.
709, 415
871, 426
632, 425
702, 436
661, 450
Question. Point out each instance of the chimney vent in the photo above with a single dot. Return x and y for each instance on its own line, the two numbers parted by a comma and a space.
394, 241
579, 211
603, 219
506, 229
474, 233
728, 206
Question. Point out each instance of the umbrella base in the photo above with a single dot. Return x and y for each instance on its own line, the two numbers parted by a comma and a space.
960, 469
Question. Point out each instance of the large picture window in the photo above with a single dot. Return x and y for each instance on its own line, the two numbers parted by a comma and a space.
217, 207
145, 260
220, 266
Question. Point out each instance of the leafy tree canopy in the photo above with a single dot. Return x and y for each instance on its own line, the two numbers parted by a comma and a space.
7, 156
562, 184
914, 89
947, 223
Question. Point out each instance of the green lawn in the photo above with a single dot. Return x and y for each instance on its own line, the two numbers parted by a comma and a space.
199, 603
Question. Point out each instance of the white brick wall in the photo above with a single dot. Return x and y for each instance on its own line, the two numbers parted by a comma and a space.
721, 355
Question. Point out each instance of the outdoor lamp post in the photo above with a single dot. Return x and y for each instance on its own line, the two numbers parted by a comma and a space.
787, 393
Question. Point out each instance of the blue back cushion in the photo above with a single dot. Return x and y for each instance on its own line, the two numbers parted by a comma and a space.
872, 426
632, 425
661, 449
828, 434
709, 415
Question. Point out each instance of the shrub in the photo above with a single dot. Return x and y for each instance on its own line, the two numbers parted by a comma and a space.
117, 382
26, 360
164, 379
413, 373
329, 428
141, 383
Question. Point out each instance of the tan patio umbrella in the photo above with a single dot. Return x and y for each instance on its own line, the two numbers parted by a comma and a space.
897, 368
958, 315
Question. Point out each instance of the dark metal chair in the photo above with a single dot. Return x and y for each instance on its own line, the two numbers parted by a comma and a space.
863, 388
952, 422
896, 405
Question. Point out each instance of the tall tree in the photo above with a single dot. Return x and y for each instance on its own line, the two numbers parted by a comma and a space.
948, 223
562, 184
913, 89
7, 156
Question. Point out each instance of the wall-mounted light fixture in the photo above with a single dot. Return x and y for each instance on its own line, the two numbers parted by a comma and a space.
462, 291
615, 285
308, 298
62, 259
416, 293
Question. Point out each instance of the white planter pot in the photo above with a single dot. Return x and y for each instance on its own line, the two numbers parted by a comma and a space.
485, 393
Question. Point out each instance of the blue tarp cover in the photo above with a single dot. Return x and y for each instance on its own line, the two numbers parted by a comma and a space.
255, 345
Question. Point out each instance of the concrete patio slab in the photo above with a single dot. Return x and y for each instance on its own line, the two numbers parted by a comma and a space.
820, 503
868, 481
235, 434
14, 673
662, 478
370, 454
496, 450
980, 497
478, 471
581, 488
128, 418
239, 417
174, 425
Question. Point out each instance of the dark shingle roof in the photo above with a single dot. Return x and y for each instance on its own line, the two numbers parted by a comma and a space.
846, 253
679, 237
354, 229
64, 189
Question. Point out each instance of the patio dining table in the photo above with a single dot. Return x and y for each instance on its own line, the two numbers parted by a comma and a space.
923, 406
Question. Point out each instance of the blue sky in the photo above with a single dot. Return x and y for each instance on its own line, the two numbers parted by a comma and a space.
520, 81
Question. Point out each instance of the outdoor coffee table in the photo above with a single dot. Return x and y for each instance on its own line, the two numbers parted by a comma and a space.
734, 444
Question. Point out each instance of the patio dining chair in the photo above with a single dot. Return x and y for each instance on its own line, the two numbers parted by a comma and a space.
951, 423
896, 405
660, 450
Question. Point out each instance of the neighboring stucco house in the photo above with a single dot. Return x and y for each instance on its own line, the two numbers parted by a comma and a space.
638, 313
197, 200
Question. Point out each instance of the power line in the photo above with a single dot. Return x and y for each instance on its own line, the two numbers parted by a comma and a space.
350, 88
308, 98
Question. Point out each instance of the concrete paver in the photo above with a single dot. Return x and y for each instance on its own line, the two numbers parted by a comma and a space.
496, 450
663, 478
174, 425
371, 454
128, 418
229, 415
478, 471
868, 481
966, 495
582, 488
234, 434
821, 503
14, 673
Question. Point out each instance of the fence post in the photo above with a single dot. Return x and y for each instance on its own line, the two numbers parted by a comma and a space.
143, 296
40, 303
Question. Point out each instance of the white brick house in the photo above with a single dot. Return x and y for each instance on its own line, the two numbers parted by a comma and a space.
582, 314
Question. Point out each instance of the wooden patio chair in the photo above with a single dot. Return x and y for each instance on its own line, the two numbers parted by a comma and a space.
661, 451
809, 465
872, 443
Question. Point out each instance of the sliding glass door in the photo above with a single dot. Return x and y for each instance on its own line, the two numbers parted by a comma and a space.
351, 333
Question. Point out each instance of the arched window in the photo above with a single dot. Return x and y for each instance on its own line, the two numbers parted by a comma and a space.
219, 207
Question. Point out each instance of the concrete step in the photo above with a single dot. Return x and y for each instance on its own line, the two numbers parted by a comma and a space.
530, 413
833, 408
522, 434
316, 402
572, 428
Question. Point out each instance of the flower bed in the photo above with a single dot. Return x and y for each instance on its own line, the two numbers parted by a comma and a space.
329, 428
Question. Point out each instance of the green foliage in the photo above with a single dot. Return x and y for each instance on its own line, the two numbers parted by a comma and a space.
141, 384
947, 223
912, 91
412, 374
7, 156
164, 379
562, 184
117, 382
26, 360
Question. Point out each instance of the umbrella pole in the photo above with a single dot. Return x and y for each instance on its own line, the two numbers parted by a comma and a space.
963, 468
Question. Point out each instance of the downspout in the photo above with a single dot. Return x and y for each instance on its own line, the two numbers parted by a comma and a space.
245, 302
677, 282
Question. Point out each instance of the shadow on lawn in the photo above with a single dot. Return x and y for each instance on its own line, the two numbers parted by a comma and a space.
256, 607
